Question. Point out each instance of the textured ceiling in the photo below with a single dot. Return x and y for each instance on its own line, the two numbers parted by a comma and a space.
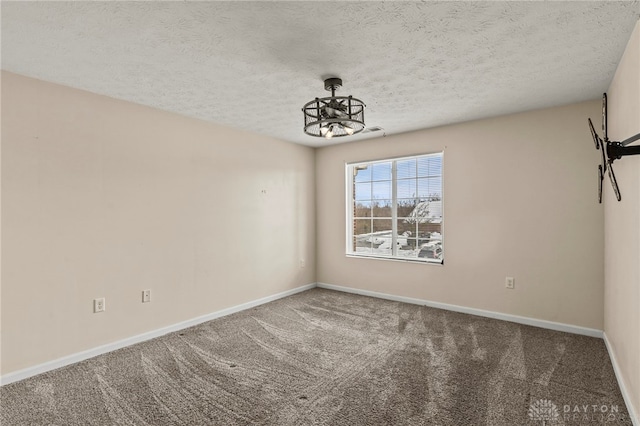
252, 65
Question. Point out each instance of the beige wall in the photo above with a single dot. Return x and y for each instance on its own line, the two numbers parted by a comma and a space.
622, 225
104, 198
519, 200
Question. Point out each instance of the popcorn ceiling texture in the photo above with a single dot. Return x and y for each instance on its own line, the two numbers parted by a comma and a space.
252, 65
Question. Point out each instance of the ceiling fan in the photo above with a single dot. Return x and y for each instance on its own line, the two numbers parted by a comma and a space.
611, 151
338, 110
333, 116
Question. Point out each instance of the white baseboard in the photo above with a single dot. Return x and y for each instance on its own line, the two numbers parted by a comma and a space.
622, 384
465, 310
81, 356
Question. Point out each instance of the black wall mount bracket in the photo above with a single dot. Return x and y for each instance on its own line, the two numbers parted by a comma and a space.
611, 151
617, 150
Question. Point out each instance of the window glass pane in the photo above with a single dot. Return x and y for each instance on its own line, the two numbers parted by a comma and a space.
406, 168
430, 230
405, 228
430, 166
381, 237
403, 241
420, 213
362, 209
362, 236
381, 208
406, 206
407, 247
381, 190
364, 246
407, 188
363, 173
433, 211
430, 250
362, 191
423, 238
406, 240
430, 188
424, 232
362, 228
381, 171
382, 227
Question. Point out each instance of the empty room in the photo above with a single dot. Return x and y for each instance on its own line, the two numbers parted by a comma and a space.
320, 213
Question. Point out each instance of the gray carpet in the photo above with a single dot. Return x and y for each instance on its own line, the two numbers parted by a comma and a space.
328, 358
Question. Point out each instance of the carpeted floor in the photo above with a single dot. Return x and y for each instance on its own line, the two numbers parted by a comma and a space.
329, 358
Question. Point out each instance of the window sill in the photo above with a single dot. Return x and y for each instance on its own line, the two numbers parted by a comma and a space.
397, 259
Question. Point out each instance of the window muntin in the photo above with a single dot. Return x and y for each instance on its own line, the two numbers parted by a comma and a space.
395, 208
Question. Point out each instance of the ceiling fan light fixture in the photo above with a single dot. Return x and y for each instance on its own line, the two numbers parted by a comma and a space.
348, 129
329, 134
333, 116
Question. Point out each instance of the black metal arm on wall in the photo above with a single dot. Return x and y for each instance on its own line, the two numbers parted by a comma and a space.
617, 150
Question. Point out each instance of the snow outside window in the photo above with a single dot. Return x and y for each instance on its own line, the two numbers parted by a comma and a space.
394, 208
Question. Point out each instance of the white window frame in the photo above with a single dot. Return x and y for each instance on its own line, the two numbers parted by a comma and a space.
349, 185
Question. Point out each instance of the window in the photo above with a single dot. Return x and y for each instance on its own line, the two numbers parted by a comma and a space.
394, 208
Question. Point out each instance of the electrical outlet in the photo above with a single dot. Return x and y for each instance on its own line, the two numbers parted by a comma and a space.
302, 263
146, 296
510, 283
99, 305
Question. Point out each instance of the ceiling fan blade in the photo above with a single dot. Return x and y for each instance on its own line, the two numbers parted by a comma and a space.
335, 113
614, 182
